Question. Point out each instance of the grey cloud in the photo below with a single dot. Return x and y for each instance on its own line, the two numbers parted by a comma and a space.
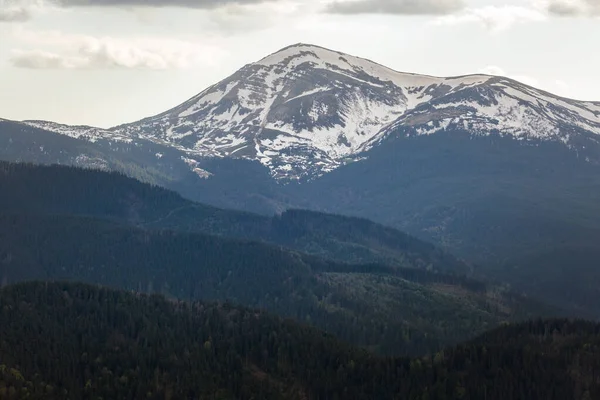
102, 56
568, 8
198, 4
14, 14
407, 7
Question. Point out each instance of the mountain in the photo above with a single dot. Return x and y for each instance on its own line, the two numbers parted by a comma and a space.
497, 172
98, 343
306, 110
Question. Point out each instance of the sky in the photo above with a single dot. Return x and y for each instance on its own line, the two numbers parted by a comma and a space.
107, 62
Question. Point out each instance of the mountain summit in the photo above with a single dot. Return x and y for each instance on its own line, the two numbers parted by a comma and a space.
306, 110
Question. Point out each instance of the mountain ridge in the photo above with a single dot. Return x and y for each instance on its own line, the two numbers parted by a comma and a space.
305, 110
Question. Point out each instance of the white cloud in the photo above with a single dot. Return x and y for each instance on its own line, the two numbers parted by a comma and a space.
494, 18
19, 10
64, 51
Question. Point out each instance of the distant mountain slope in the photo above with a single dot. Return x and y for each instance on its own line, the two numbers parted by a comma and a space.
144, 160
526, 214
93, 342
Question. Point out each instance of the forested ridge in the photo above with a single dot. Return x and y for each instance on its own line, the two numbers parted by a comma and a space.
75, 341
390, 310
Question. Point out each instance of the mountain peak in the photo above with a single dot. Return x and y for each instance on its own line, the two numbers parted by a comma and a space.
298, 48
304, 46
303, 52
323, 58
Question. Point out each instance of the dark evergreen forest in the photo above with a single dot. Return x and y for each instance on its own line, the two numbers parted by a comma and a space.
73, 341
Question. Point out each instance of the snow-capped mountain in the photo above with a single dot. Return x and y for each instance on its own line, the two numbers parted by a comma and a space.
305, 110
496, 171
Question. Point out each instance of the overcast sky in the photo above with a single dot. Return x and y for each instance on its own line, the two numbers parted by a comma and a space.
106, 62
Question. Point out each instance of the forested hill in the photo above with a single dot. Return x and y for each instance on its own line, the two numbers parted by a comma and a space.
389, 310
30, 189
93, 343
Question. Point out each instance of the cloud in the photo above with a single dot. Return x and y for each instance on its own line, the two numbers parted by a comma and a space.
17, 10
568, 8
196, 4
494, 18
497, 71
38, 59
23, 10
14, 14
407, 7
86, 52
242, 19
101, 57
